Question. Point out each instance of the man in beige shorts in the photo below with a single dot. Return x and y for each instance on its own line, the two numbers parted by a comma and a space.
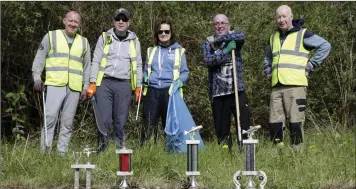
288, 65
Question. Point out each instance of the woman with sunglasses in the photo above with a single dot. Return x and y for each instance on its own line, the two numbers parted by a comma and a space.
165, 65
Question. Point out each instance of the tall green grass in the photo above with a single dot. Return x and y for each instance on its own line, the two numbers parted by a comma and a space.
327, 162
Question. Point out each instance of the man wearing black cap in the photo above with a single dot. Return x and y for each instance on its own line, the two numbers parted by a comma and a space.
116, 71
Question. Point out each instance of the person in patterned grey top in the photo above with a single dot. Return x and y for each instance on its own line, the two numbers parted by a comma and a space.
217, 56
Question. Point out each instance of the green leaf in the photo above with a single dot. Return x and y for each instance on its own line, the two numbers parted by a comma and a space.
19, 126
23, 96
21, 107
16, 99
14, 117
22, 88
9, 110
10, 95
20, 120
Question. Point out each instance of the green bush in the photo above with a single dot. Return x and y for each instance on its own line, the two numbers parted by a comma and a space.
330, 96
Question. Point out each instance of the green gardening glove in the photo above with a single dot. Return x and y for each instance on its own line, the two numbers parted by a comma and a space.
231, 45
180, 83
145, 81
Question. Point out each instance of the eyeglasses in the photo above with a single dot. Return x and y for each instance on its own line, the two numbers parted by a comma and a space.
160, 32
123, 18
220, 23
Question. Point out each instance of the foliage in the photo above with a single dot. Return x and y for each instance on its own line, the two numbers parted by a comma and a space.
17, 101
331, 98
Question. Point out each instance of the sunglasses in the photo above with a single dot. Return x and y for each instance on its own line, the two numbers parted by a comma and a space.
160, 32
123, 18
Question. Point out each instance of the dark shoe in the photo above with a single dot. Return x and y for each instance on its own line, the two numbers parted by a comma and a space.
102, 148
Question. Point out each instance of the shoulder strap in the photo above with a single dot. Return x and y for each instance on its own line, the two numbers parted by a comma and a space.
106, 38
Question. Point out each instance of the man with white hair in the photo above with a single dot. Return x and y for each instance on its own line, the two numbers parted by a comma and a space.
288, 64
217, 56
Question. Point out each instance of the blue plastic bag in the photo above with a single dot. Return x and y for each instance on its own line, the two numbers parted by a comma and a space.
178, 120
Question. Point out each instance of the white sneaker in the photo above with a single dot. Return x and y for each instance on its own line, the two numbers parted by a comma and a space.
297, 147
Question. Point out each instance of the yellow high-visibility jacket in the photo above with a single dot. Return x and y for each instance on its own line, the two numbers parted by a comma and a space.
289, 60
107, 38
178, 53
64, 65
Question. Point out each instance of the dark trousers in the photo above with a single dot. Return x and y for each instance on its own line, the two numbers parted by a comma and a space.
113, 98
296, 132
222, 107
155, 106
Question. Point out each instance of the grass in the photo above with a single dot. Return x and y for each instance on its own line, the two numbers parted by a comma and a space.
327, 162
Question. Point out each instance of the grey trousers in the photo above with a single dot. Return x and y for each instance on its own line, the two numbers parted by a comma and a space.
113, 99
59, 99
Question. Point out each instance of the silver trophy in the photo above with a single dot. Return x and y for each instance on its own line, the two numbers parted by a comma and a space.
250, 172
192, 157
88, 166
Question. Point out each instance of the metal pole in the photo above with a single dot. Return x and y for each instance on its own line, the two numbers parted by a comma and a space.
139, 100
76, 171
236, 98
44, 119
88, 179
0, 141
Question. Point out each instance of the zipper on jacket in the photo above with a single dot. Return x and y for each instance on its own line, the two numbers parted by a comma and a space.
69, 47
159, 66
117, 54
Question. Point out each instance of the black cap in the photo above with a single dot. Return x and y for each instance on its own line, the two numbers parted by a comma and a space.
122, 11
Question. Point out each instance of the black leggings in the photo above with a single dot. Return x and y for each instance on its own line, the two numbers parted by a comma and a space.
155, 105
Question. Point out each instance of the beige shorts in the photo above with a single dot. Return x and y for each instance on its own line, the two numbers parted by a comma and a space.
288, 102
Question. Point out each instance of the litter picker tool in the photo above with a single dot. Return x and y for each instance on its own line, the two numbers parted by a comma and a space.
44, 119
139, 101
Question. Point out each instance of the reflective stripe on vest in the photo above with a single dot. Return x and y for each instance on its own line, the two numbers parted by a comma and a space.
289, 59
107, 39
178, 53
64, 65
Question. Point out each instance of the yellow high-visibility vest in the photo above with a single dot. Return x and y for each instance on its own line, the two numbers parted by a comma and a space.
64, 65
107, 39
178, 53
289, 59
